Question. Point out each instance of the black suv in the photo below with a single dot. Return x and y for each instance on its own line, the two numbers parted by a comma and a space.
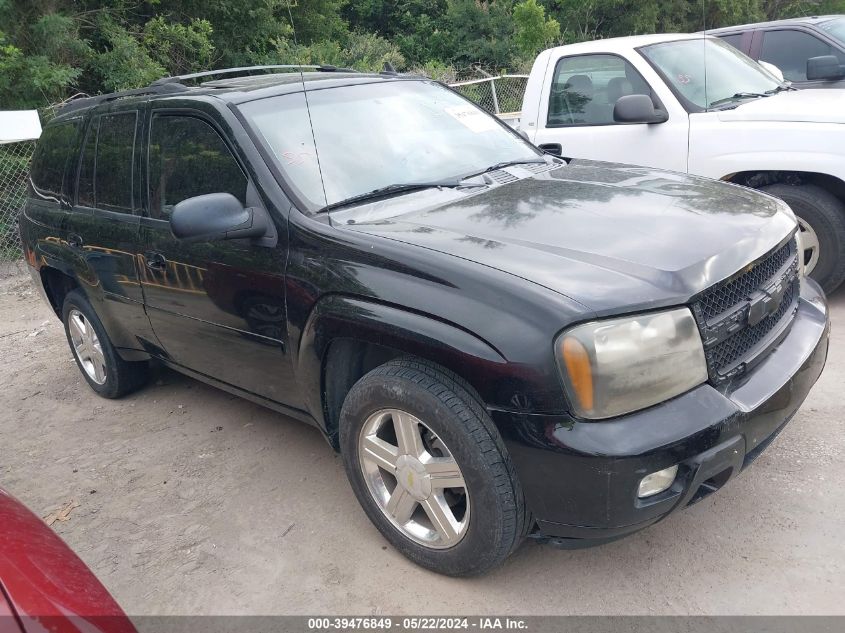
500, 343
809, 51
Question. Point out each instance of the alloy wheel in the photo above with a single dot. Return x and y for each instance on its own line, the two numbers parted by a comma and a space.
414, 478
87, 346
810, 245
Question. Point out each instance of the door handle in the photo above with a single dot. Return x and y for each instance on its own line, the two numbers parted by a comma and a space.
74, 241
155, 261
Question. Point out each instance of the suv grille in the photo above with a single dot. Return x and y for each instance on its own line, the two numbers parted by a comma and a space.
741, 319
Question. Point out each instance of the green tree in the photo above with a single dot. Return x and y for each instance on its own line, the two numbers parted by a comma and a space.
32, 81
359, 50
477, 32
180, 48
317, 20
413, 25
242, 32
534, 30
124, 62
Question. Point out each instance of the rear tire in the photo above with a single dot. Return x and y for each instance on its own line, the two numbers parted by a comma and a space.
101, 366
482, 491
825, 215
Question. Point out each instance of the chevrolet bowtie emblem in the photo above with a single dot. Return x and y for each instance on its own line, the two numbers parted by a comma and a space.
765, 301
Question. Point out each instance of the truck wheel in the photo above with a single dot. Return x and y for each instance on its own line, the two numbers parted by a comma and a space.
821, 216
106, 372
430, 469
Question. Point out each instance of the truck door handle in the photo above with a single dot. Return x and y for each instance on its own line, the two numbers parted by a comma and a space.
155, 261
74, 241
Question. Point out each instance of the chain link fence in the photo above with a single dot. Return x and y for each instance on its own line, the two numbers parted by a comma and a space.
14, 170
501, 95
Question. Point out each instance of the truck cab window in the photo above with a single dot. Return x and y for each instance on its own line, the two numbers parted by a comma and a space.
734, 39
585, 89
790, 50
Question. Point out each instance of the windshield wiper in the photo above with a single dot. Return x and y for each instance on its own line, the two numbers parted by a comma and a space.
398, 188
508, 163
383, 192
780, 88
740, 95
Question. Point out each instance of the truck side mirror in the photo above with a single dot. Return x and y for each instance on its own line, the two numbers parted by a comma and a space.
637, 109
824, 68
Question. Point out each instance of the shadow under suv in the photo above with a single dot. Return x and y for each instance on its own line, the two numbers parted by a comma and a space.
501, 344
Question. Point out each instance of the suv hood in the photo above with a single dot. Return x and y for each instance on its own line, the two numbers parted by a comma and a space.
812, 106
608, 236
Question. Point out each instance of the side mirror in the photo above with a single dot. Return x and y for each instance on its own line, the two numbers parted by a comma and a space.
216, 216
637, 109
824, 67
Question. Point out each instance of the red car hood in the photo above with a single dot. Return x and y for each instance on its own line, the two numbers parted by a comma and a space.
44, 584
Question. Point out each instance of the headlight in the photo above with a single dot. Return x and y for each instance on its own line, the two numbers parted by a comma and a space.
621, 365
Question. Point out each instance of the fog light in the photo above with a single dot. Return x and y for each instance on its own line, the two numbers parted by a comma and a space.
657, 482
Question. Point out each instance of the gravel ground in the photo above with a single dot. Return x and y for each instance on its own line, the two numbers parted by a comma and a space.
192, 501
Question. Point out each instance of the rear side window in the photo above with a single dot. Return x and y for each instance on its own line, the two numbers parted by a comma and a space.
52, 155
106, 166
585, 89
790, 50
187, 158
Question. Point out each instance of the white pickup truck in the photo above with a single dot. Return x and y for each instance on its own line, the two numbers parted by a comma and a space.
647, 100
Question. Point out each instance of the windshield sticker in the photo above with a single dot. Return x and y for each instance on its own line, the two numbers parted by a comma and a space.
297, 158
473, 118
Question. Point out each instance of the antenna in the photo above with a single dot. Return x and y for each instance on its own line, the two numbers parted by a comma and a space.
308, 110
704, 49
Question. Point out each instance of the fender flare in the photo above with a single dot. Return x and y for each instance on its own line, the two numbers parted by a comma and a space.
347, 317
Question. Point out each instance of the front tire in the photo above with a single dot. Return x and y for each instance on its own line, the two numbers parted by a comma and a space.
430, 469
821, 217
101, 366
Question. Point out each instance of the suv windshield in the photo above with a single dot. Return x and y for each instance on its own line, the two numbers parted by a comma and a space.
374, 135
834, 28
707, 72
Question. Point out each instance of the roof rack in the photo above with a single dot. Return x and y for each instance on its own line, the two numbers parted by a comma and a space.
87, 102
171, 85
244, 69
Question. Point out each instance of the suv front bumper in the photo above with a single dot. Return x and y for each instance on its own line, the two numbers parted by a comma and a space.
581, 478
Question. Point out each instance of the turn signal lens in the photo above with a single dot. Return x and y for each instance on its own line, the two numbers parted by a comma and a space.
577, 362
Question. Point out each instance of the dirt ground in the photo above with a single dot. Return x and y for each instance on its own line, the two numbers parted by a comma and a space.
192, 501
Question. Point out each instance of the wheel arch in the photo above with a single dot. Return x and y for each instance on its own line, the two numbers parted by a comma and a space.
346, 337
822, 198
57, 284
762, 177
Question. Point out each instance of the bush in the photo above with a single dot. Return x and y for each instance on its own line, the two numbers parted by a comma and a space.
361, 51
